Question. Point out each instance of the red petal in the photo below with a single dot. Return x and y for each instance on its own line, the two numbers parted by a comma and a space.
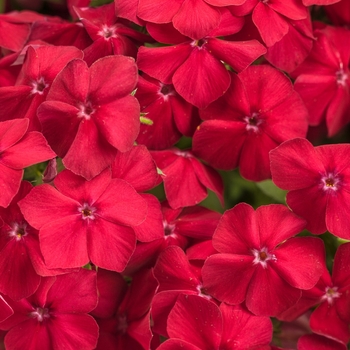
89, 153
161, 12
44, 204
212, 142
247, 330
276, 224
71, 84
209, 178
74, 292
237, 231
272, 27
60, 125
317, 342
196, 19
182, 193
308, 250
74, 331
121, 204
152, 228
268, 294
136, 167
162, 62
10, 181
295, 165
201, 79
238, 54
31, 149
119, 78
326, 321
110, 245
312, 208
196, 320
77, 188
337, 213
11, 131
66, 250
227, 277
119, 122
18, 277
177, 276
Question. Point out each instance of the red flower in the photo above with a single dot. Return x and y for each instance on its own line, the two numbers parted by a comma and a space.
260, 261
84, 221
125, 322
323, 79
40, 68
185, 178
89, 114
195, 67
110, 35
195, 323
18, 149
21, 261
205, 15
171, 115
259, 111
318, 181
55, 317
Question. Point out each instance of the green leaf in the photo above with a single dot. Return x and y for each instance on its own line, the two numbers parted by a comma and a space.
271, 190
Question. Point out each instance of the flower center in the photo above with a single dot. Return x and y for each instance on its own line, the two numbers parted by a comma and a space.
262, 256
122, 324
331, 294
200, 44
86, 110
87, 211
18, 231
40, 314
341, 76
169, 229
330, 182
202, 293
39, 86
253, 121
107, 32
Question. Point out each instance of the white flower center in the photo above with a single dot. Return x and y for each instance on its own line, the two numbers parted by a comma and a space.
262, 256
331, 293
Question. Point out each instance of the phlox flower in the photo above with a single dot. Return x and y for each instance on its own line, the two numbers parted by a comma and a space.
195, 323
89, 113
258, 112
18, 149
82, 221
55, 317
259, 260
317, 179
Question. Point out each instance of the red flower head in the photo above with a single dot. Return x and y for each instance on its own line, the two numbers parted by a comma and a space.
89, 114
55, 317
323, 79
318, 180
18, 150
84, 221
259, 111
260, 261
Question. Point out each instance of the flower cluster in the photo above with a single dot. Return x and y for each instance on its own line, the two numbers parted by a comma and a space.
175, 174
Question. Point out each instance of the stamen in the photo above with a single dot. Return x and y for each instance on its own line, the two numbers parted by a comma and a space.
331, 293
39, 86
253, 121
330, 182
18, 231
40, 314
262, 256
87, 212
85, 110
